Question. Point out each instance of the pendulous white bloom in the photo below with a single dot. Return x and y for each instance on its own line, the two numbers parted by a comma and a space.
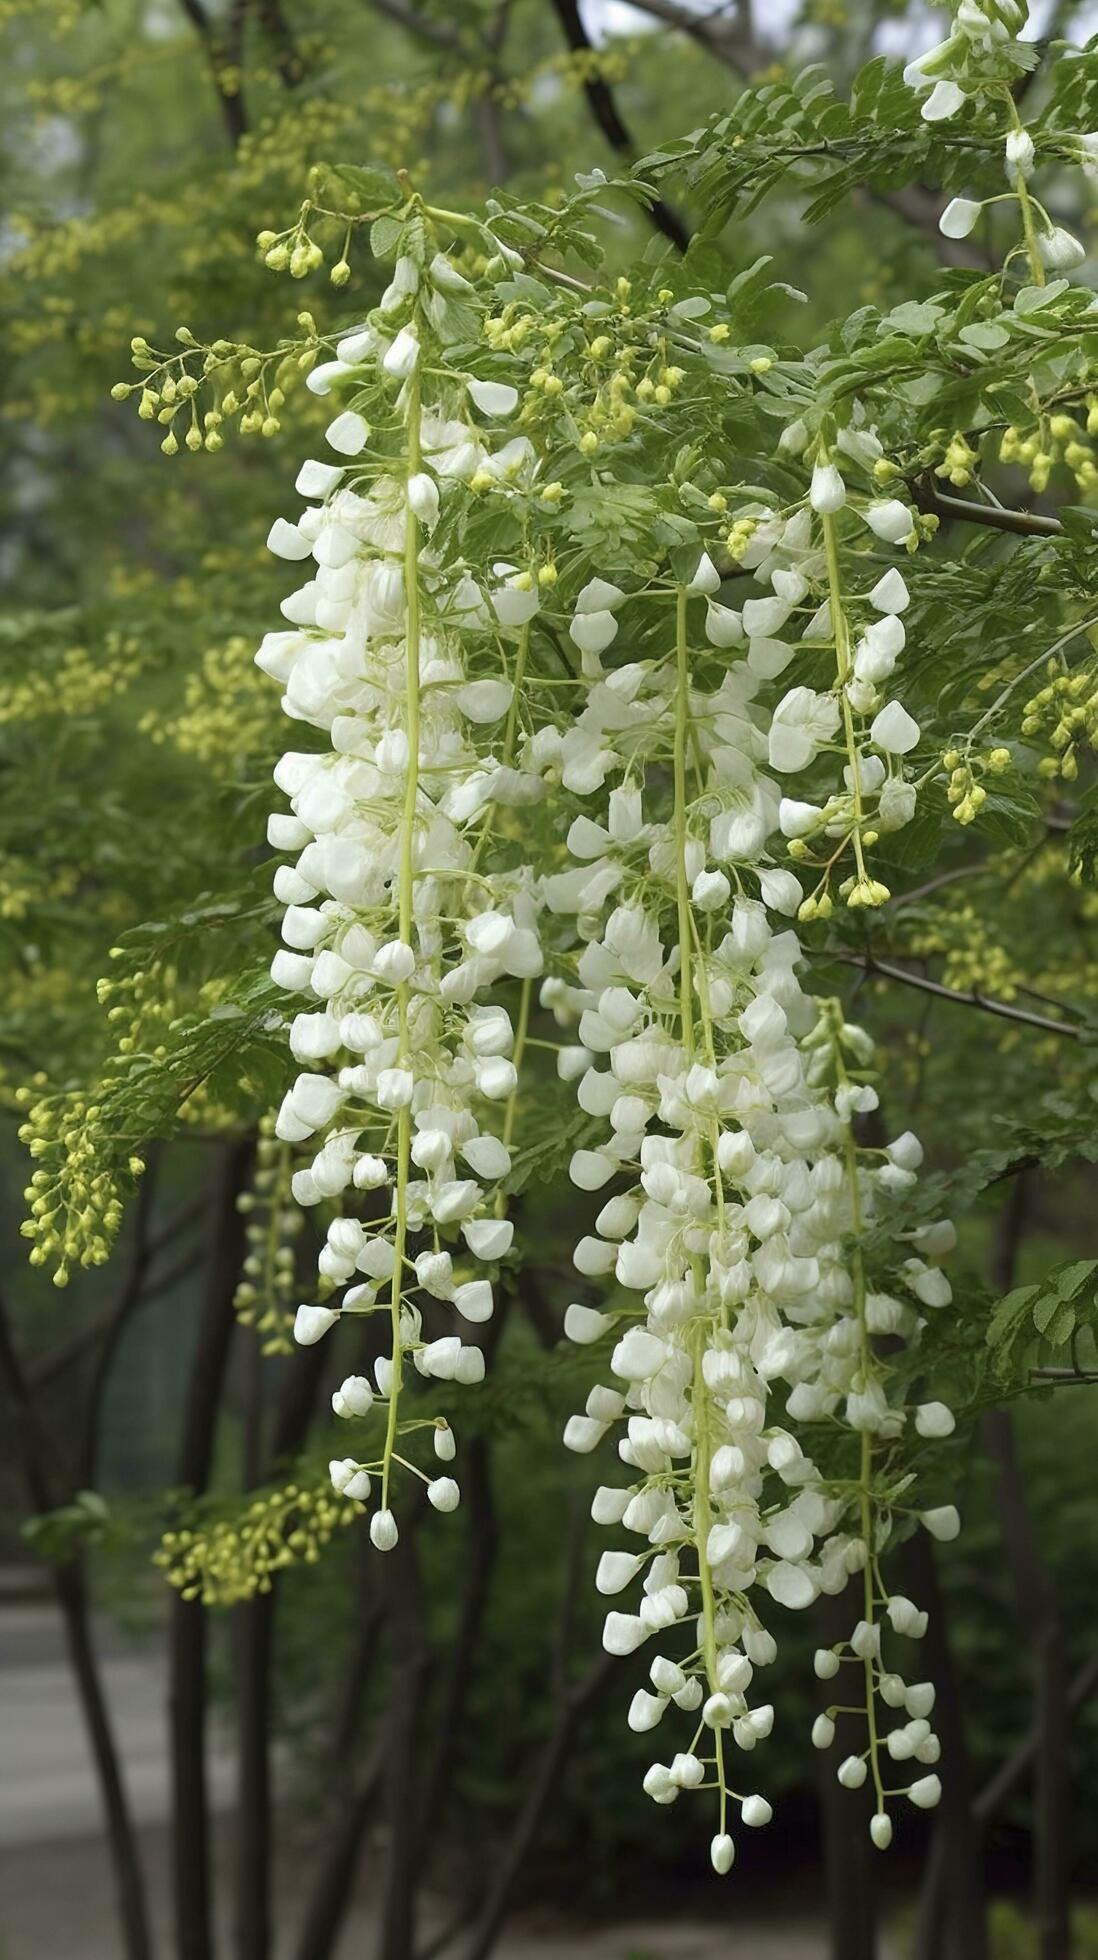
398, 923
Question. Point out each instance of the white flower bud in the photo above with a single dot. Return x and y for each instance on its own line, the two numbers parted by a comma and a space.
959, 217
944, 1523
828, 491
756, 1811
823, 1732
443, 1494
383, 1531
312, 1323
722, 1852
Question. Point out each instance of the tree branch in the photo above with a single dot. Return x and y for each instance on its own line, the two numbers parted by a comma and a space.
604, 111
70, 1587
884, 970
1021, 523
217, 52
440, 32
721, 38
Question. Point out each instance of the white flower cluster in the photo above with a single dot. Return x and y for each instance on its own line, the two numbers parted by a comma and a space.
397, 924
977, 52
794, 555
726, 1101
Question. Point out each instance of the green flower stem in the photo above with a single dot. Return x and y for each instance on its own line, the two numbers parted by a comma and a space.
406, 889
1026, 207
841, 632
865, 1469
703, 1516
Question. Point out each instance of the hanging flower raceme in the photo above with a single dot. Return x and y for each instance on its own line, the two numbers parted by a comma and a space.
725, 1235
981, 52
399, 919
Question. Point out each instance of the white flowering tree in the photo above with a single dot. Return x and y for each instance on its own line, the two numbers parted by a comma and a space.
650, 663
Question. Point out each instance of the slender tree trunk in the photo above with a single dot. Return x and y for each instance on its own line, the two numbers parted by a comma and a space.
1038, 1613
407, 1667
952, 1910
254, 1651
847, 1848
328, 1902
188, 1637
508, 1866
481, 1557
254, 1631
70, 1588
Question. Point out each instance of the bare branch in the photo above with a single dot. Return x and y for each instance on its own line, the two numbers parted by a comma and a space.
722, 38
428, 29
604, 110
884, 970
222, 51
1021, 523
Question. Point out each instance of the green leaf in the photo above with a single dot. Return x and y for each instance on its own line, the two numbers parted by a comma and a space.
375, 184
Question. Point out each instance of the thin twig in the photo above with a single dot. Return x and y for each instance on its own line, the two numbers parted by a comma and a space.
884, 970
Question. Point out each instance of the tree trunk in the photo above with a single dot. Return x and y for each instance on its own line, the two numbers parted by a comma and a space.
70, 1587
848, 1852
1038, 1613
188, 1639
407, 1667
254, 1650
952, 1910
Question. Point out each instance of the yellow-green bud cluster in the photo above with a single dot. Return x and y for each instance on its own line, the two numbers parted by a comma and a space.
1063, 713
266, 1297
232, 1559
75, 1204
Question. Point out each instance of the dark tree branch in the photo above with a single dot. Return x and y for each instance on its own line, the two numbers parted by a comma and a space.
604, 111
428, 29
187, 1636
68, 1352
884, 970
221, 51
38, 1456
495, 1904
952, 1922
327, 1904
483, 1542
848, 1855
1022, 523
719, 36
1038, 1613
129, 1299
408, 1663
291, 68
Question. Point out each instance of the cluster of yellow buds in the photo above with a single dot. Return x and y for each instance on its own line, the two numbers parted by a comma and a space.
974, 962
295, 252
75, 1204
965, 793
508, 332
1064, 712
232, 1559
1059, 438
864, 893
244, 382
959, 461
76, 681
266, 1296
739, 537
226, 715
625, 365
